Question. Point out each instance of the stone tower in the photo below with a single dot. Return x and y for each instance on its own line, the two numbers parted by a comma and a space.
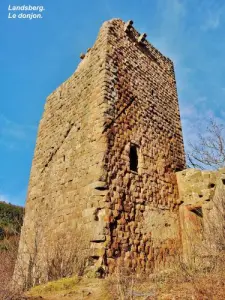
108, 146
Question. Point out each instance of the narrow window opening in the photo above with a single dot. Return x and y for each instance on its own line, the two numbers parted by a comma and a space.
95, 257
178, 169
133, 158
198, 211
223, 181
101, 188
211, 185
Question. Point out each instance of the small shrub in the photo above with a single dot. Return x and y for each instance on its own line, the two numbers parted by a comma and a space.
67, 259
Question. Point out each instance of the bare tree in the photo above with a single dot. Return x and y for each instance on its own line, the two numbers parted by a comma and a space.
208, 152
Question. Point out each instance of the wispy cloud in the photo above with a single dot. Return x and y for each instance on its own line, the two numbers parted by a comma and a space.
212, 20
13, 135
212, 13
195, 121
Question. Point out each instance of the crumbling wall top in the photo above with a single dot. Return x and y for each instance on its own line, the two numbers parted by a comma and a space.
141, 40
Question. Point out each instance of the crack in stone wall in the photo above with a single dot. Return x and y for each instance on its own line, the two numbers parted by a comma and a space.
57, 149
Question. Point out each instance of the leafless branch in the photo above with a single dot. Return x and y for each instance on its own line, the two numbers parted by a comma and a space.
209, 150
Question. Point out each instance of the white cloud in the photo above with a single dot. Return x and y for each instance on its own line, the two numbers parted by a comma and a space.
212, 21
187, 110
212, 13
12, 134
201, 100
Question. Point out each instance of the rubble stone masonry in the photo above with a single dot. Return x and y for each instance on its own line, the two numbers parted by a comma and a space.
202, 212
108, 147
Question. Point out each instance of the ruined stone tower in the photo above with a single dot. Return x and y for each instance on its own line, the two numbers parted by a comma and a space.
108, 146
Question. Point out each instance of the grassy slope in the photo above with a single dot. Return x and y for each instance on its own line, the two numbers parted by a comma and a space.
164, 286
72, 288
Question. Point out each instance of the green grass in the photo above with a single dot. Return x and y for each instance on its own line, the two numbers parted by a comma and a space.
72, 288
55, 286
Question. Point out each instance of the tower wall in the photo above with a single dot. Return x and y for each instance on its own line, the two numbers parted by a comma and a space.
108, 146
144, 114
66, 168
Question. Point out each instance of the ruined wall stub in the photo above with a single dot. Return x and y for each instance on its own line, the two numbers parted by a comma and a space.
202, 212
108, 146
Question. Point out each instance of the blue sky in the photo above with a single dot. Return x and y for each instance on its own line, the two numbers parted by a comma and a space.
36, 56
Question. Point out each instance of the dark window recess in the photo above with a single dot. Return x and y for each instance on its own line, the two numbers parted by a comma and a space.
133, 158
178, 169
211, 185
101, 188
198, 211
223, 181
95, 257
